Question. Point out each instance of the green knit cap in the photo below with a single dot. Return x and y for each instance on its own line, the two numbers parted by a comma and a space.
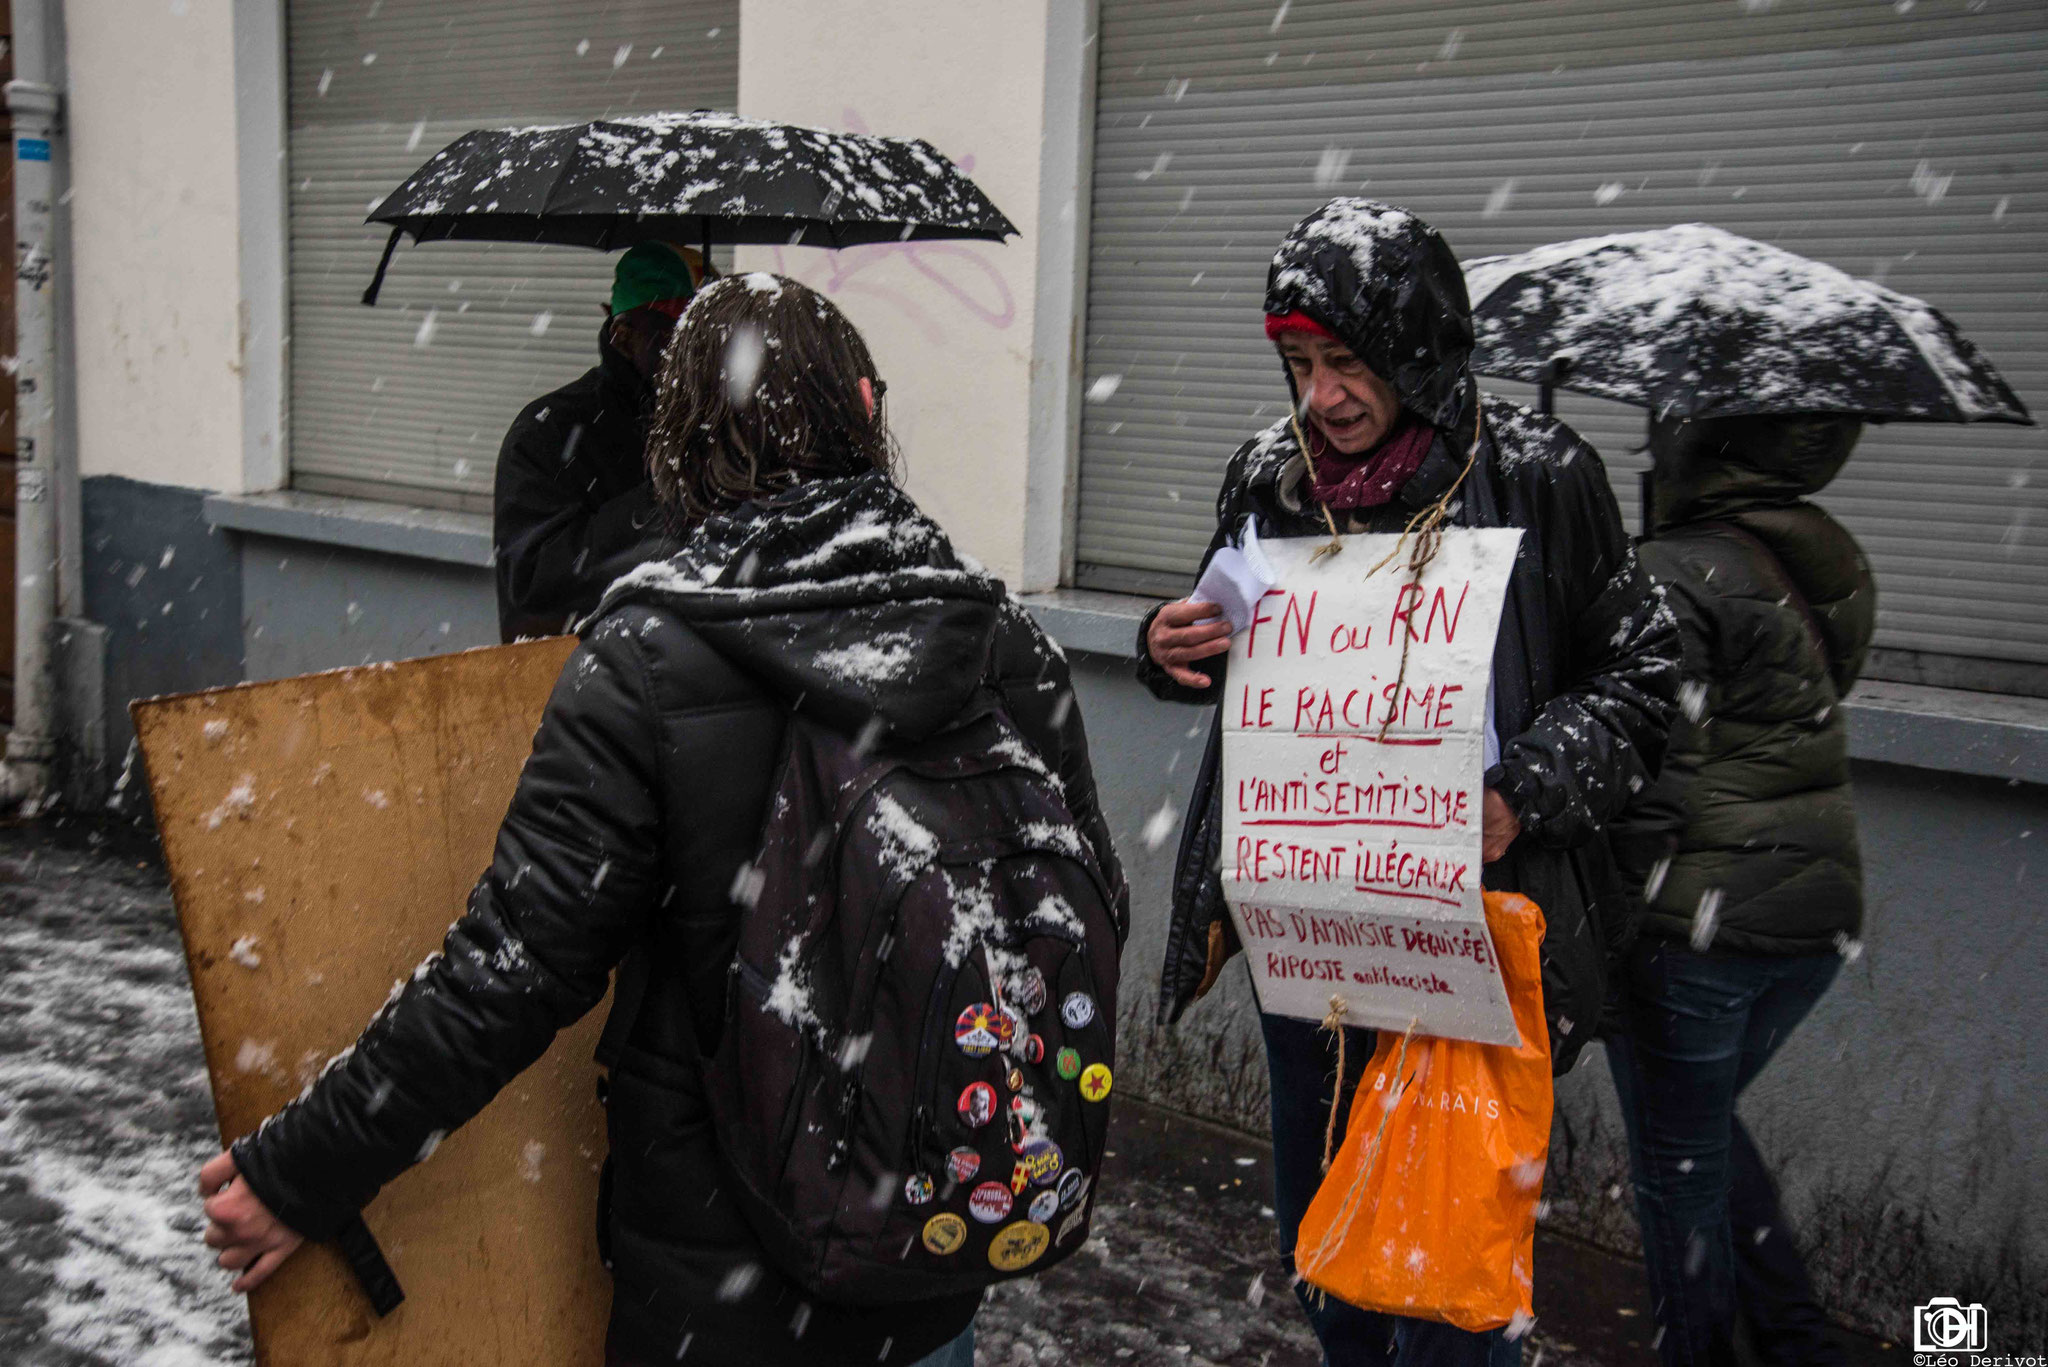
651, 273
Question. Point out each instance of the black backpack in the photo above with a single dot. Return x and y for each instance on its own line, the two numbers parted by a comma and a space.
911, 1087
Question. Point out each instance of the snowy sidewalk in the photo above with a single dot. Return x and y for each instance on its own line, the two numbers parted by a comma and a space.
105, 1117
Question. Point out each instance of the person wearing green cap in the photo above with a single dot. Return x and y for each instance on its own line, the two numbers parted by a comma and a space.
573, 508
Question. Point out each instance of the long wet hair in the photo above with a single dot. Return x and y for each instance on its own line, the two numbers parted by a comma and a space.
759, 392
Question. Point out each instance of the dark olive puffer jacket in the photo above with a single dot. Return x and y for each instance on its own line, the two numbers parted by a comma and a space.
1747, 842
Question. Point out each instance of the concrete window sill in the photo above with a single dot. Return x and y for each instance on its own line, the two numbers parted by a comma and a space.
1950, 730
360, 524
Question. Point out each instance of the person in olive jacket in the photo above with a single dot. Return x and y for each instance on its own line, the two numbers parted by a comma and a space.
634, 823
1745, 853
573, 508
1366, 305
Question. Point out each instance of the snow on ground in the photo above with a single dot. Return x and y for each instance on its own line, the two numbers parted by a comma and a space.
104, 1120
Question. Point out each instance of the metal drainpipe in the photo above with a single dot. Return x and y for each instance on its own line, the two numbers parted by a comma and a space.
32, 104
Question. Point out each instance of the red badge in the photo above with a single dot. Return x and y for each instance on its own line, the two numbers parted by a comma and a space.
990, 1203
1034, 1049
977, 1104
962, 1164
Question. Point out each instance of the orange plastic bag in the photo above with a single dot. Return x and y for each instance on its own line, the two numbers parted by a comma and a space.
1429, 1207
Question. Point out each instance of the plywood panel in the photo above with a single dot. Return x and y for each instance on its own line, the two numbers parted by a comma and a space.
321, 834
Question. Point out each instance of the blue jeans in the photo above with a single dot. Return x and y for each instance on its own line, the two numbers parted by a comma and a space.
1698, 1028
1302, 1061
958, 1353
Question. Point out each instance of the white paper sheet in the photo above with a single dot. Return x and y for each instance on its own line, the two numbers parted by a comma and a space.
1236, 578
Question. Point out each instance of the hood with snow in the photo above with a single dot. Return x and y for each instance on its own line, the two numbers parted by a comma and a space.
840, 596
1387, 284
1714, 467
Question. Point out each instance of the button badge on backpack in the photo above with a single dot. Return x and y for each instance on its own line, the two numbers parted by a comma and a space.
977, 1104
1072, 1225
1077, 1010
1014, 1027
1095, 1081
917, 1189
1040, 1161
1018, 1246
1027, 990
962, 1163
1073, 1186
1034, 1049
981, 1030
990, 1203
1044, 1206
944, 1233
1068, 1064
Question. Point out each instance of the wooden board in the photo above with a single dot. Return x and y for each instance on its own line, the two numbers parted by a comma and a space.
321, 833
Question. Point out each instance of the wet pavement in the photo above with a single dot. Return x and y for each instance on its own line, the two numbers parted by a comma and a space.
105, 1117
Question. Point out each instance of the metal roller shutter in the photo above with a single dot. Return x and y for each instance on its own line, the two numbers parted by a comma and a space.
1899, 142
409, 400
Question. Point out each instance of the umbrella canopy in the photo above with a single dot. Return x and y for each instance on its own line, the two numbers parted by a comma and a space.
1696, 322
699, 177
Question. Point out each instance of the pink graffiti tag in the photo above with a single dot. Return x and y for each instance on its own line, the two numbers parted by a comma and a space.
961, 270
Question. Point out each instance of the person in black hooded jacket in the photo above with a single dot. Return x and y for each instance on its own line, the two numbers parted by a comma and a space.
1367, 305
573, 507
635, 819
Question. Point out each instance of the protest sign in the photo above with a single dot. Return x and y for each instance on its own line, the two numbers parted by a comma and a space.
1353, 784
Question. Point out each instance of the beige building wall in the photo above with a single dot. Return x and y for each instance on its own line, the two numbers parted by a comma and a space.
979, 342
167, 340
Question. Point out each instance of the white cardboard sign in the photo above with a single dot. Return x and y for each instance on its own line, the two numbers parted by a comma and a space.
1351, 803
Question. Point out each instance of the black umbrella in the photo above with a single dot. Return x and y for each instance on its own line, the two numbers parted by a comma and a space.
1696, 322
702, 177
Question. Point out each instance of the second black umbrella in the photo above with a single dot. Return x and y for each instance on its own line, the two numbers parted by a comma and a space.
1695, 322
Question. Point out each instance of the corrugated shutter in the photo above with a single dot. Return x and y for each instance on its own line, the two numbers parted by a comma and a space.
409, 400
1899, 146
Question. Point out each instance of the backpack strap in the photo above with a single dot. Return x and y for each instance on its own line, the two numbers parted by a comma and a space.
629, 992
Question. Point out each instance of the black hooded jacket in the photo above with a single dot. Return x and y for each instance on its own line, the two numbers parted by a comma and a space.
1747, 841
644, 797
573, 508
1586, 663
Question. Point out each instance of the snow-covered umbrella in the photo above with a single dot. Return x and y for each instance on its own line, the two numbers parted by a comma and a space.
1695, 322
699, 177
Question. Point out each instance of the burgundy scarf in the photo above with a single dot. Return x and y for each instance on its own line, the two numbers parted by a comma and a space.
1373, 477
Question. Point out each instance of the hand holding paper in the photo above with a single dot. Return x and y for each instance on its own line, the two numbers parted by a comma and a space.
1200, 626
1236, 578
